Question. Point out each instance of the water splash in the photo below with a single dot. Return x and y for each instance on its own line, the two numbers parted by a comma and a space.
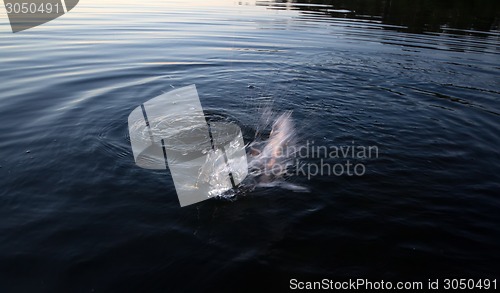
270, 154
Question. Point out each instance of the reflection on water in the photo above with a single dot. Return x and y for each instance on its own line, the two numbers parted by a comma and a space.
460, 17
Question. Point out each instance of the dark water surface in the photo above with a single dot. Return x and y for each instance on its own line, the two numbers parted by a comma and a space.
418, 79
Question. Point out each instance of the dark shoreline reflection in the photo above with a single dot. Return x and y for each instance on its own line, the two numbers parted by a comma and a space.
414, 16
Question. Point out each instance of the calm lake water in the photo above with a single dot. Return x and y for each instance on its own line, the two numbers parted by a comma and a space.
418, 79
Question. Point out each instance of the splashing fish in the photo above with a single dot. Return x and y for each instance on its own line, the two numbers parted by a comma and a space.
270, 159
